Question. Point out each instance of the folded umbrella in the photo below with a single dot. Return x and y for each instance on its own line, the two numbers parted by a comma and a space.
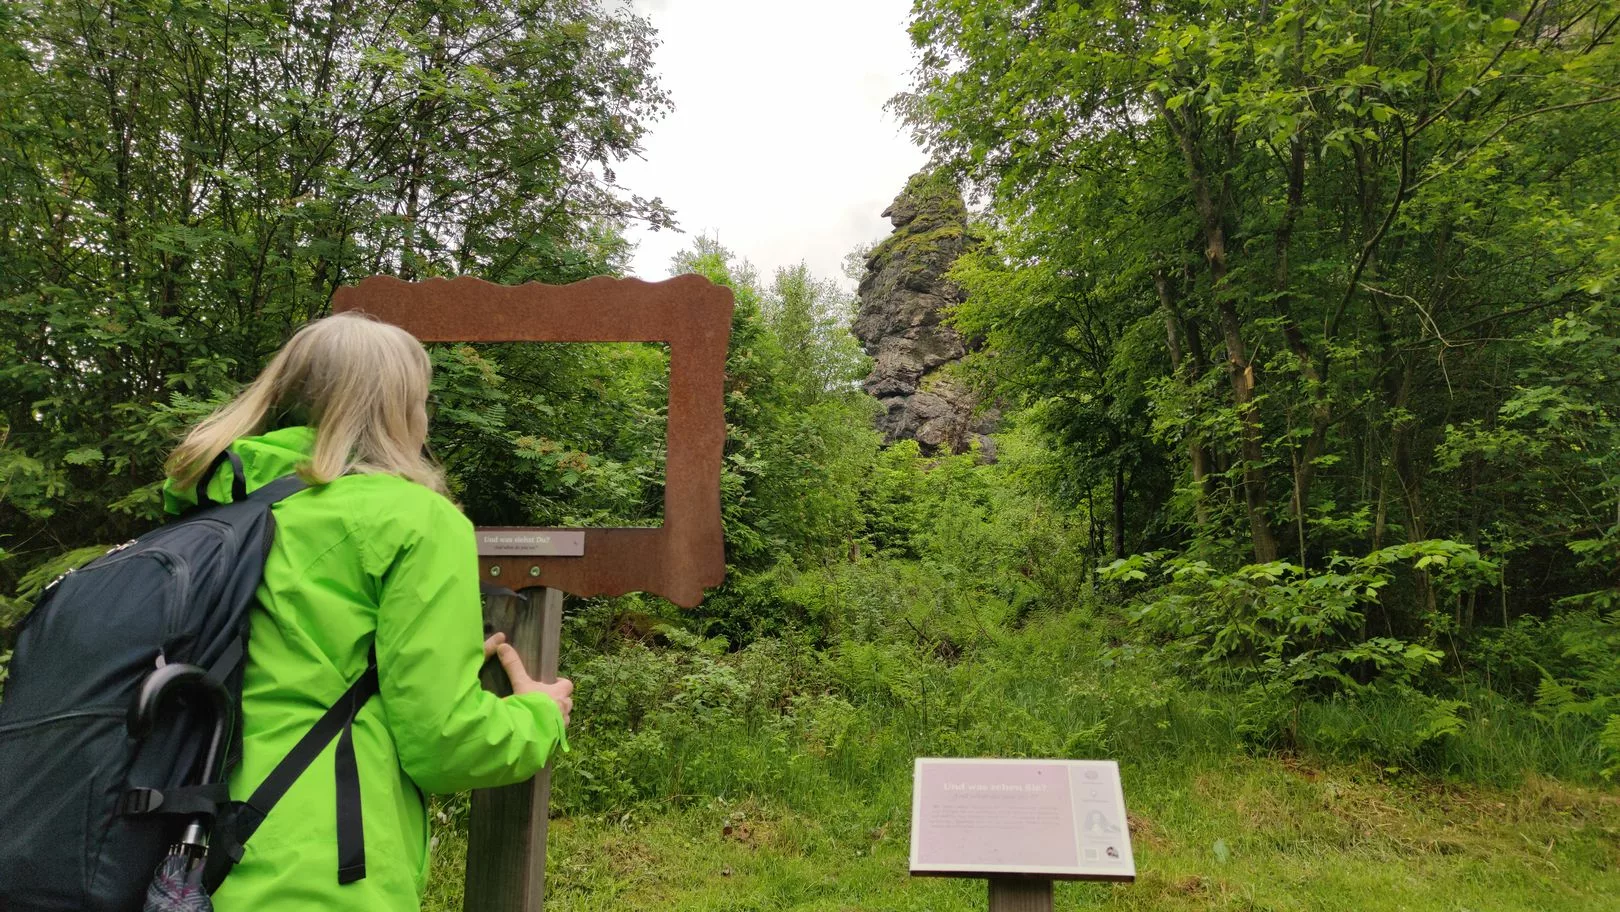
177, 884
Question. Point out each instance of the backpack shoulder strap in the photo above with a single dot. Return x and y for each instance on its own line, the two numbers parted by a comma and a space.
278, 490
338, 722
238, 478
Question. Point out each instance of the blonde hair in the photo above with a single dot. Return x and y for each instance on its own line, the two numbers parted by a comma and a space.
362, 383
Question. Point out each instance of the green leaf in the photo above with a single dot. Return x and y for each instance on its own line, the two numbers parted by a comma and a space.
83, 456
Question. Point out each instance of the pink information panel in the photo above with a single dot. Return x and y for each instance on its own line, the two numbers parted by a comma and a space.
1061, 819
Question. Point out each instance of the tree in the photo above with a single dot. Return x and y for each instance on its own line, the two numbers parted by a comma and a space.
181, 184
1347, 224
799, 434
811, 318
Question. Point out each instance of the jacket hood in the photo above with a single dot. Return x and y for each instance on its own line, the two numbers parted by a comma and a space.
265, 458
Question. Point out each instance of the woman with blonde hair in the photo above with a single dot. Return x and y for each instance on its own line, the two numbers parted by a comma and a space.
372, 560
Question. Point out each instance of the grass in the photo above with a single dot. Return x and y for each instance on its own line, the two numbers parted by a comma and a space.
1239, 834
777, 777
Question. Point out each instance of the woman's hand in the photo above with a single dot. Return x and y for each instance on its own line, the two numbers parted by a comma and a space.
562, 691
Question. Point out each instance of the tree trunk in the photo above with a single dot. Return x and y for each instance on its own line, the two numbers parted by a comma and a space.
1316, 379
1197, 456
1119, 508
1239, 369
1254, 480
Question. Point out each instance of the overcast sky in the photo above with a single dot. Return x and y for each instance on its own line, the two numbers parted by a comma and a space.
778, 143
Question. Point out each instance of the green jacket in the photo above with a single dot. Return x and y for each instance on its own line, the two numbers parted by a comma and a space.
367, 560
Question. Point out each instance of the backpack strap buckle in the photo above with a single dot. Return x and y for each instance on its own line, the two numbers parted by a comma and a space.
140, 801
188, 799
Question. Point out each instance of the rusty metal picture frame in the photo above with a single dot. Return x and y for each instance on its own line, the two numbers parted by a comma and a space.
691, 315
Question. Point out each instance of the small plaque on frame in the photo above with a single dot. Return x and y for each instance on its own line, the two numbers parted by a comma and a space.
520, 542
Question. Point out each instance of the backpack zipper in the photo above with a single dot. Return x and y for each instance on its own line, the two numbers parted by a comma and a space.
181, 602
64, 574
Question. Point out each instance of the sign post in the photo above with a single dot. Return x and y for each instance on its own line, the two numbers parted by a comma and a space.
1007, 895
1021, 824
679, 560
506, 836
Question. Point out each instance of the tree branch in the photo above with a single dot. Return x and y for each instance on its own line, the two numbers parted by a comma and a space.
1426, 122
1372, 242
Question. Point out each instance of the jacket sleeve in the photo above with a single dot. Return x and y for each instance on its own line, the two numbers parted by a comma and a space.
451, 733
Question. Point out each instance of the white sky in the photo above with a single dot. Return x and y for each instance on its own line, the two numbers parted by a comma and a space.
778, 143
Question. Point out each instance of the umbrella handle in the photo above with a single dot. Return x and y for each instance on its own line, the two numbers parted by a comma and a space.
159, 684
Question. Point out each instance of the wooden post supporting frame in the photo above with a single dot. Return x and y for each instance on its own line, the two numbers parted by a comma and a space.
506, 839
1014, 894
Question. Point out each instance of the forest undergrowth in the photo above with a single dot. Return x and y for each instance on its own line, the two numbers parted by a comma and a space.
769, 766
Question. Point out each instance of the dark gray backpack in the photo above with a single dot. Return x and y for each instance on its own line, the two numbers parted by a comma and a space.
119, 725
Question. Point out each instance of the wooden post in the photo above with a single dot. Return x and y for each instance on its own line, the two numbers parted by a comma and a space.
1011, 894
506, 834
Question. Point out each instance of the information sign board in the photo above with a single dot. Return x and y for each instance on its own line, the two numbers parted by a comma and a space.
1061, 819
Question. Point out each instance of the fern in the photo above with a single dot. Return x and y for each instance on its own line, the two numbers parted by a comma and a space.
1609, 740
